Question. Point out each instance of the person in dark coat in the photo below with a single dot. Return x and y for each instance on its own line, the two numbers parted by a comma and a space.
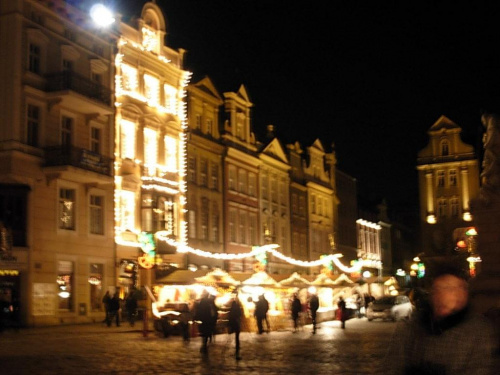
114, 310
105, 301
313, 308
203, 315
342, 312
261, 308
131, 307
214, 316
296, 309
234, 321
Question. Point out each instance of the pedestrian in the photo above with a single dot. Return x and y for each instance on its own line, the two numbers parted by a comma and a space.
445, 337
313, 308
342, 312
131, 307
185, 318
296, 309
214, 316
261, 308
203, 316
105, 302
114, 309
234, 321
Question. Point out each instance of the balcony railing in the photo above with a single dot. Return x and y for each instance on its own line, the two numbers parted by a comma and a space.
78, 157
80, 84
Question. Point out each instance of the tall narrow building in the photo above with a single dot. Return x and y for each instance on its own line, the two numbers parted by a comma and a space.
56, 161
448, 178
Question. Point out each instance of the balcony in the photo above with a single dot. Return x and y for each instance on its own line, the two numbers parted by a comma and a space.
64, 156
77, 91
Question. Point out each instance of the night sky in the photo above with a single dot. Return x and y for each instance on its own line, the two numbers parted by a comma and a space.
371, 77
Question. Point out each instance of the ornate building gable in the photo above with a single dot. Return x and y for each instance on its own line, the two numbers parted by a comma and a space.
316, 166
275, 150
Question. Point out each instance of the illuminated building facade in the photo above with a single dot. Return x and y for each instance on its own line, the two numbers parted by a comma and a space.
150, 147
369, 245
242, 227
448, 178
56, 142
205, 154
274, 200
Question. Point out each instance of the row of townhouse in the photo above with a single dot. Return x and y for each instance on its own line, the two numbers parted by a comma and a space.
105, 143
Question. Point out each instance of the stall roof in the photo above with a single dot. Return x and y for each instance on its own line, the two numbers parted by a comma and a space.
182, 277
322, 280
295, 280
260, 278
217, 276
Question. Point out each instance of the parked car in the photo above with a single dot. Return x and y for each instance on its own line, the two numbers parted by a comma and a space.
390, 308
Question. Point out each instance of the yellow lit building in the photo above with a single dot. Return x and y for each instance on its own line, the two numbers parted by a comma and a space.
56, 151
150, 147
448, 178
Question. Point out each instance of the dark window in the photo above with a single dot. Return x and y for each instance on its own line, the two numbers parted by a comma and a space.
33, 125
34, 59
13, 211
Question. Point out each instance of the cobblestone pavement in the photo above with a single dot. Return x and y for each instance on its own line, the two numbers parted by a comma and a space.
97, 349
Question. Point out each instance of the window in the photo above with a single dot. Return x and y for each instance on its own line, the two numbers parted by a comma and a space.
66, 132
151, 89
232, 225
170, 98
240, 133
95, 139
96, 214
453, 177
150, 151
252, 229
454, 206
232, 178
243, 227
204, 172
171, 154
445, 148
127, 139
313, 204
192, 169
67, 65
294, 203
274, 190
215, 223
204, 218
302, 206
320, 206
242, 181
14, 212
209, 126
127, 210
95, 285
442, 207
34, 58
65, 283
215, 176
440, 178
67, 200
129, 78
147, 212
192, 224
265, 182
198, 121
252, 183
33, 125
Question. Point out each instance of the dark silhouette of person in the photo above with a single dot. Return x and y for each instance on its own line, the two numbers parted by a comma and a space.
203, 315
296, 309
114, 310
131, 307
234, 322
261, 309
214, 316
185, 319
342, 312
313, 308
105, 301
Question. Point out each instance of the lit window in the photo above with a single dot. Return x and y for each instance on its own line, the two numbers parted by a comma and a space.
33, 125
96, 214
150, 150
127, 140
171, 154
96, 275
127, 210
95, 139
129, 78
67, 209
65, 285
151, 89
171, 99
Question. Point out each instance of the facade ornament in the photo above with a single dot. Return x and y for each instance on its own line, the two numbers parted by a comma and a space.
490, 175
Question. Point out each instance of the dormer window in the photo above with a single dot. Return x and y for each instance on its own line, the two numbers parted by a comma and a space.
149, 39
445, 148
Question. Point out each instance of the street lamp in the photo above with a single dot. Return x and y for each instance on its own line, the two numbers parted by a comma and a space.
101, 15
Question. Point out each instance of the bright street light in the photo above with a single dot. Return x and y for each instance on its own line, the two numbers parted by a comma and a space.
101, 15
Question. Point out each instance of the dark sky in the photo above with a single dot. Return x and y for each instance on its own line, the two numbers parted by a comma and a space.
370, 76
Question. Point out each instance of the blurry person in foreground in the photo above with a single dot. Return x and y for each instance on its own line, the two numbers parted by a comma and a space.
445, 336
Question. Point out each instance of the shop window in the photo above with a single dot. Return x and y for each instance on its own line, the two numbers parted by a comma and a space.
65, 284
95, 286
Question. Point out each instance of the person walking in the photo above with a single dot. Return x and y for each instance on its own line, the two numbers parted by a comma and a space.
296, 309
313, 308
114, 309
234, 321
342, 312
105, 301
214, 315
261, 308
131, 307
445, 336
203, 315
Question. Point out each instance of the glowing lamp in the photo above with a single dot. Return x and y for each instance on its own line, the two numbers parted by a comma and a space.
471, 231
461, 244
101, 15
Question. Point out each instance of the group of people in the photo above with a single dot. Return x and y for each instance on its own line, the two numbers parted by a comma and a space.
113, 304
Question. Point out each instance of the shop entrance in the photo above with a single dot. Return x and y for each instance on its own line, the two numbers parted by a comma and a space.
9, 299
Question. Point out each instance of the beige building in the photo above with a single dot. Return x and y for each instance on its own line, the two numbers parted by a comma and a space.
150, 146
204, 174
242, 228
56, 153
275, 201
448, 177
